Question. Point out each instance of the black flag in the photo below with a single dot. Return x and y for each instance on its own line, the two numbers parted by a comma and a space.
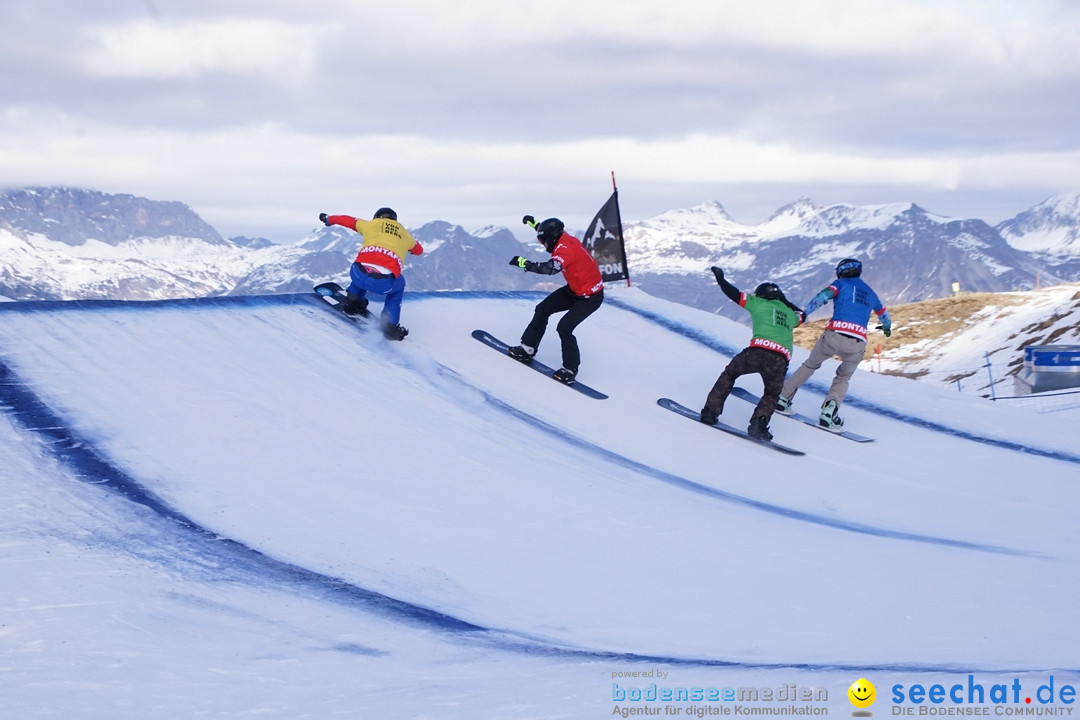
604, 241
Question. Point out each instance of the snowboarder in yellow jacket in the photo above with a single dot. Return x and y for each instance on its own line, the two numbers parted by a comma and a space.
377, 268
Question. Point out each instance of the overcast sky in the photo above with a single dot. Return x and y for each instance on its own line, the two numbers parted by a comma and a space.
260, 114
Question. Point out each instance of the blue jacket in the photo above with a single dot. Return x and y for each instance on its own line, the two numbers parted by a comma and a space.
853, 300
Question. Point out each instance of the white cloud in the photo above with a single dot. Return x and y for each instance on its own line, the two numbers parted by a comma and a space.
1034, 35
266, 110
188, 50
270, 175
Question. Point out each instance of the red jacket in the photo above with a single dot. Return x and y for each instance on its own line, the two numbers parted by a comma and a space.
578, 266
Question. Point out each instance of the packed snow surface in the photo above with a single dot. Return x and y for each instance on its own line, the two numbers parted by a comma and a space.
252, 507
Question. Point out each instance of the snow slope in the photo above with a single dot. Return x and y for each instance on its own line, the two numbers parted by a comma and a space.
247, 506
953, 340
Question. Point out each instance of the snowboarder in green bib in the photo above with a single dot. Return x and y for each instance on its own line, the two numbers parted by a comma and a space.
767, 354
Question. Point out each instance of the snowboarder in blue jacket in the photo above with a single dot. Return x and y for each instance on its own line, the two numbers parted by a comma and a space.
844, 337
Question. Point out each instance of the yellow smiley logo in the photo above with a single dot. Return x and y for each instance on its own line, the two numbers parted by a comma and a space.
862, 693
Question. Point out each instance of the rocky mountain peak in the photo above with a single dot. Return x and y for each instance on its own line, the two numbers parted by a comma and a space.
74, 216
1051, 229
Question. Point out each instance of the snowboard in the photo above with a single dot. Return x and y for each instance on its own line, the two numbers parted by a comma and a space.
335, 297
695, 415
493, 342
806, 419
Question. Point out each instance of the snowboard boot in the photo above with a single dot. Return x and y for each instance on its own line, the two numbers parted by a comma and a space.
395, 332
709, 416
522, 353
829, 419
354, 305
783, 406
565, 375
759, 428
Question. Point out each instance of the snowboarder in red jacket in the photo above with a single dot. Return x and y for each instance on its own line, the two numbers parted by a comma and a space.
579, 298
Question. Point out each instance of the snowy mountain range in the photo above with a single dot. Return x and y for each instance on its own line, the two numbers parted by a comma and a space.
68, 244
1050, 232
64, 243
909, 254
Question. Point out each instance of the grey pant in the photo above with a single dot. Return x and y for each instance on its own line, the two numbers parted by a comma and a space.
831, 343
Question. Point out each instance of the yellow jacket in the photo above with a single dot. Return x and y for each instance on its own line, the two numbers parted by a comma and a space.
386, 242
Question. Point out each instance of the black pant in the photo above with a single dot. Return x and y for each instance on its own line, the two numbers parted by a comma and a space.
576, 308
771, 365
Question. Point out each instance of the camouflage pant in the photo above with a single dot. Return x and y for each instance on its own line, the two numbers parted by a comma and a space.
770, 365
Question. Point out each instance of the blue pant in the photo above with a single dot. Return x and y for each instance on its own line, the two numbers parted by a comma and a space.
392, 288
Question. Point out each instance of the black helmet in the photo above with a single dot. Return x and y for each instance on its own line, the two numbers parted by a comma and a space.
549, 232
385, 212
768, 291
849, 267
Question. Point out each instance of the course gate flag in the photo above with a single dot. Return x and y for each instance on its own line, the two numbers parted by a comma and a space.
604, 240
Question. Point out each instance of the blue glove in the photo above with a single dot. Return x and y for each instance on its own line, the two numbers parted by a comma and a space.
519, 261
323, 217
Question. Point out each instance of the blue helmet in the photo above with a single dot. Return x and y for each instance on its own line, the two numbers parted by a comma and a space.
849, 267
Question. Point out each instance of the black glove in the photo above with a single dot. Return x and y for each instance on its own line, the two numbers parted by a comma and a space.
718, 274
519, 261
323, 218
529, 220
887, 329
